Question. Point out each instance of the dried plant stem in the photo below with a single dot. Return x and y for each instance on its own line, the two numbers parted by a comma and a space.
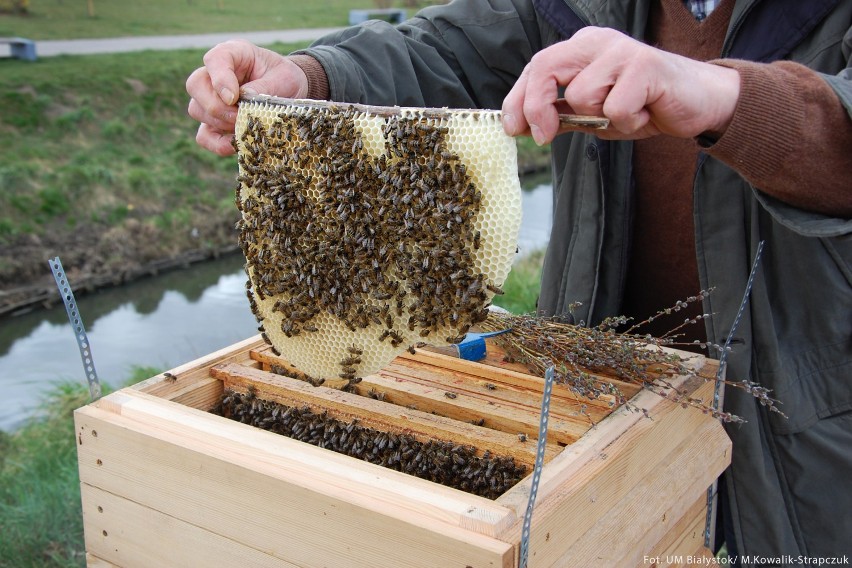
578, 352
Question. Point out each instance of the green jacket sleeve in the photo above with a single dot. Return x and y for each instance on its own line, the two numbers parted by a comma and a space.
466, 54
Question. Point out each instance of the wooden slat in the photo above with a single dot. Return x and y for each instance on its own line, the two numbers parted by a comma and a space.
269, 492
683, 539
506, 408
655, 503
575, 457
503, 406
564, 403
492, 368
583, 485
203, 394
93, 561
184, 378
377, 414
468, 405
124, 533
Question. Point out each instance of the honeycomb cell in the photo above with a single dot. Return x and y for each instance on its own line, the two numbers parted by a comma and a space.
367, 230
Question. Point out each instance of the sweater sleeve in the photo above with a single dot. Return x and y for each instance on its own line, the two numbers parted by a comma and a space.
790, 137
317, 79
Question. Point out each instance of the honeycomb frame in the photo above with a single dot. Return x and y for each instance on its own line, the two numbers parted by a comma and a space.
368, 230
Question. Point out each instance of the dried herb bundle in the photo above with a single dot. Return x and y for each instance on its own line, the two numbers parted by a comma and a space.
578, 352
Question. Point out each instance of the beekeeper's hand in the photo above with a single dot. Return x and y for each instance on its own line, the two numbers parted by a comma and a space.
231, 68
644, 91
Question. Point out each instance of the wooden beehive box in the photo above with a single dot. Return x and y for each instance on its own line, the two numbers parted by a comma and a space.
167, 483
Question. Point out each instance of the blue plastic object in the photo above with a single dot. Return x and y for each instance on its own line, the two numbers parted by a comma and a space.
472, 347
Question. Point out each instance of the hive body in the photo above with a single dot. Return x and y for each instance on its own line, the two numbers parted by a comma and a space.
366, 232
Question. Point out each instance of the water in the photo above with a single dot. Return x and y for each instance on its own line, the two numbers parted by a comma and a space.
160, 322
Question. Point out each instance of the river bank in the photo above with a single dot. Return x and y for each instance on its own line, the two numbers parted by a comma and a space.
99, 257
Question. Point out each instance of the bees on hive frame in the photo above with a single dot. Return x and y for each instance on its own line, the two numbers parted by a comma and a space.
455, 465
383, 243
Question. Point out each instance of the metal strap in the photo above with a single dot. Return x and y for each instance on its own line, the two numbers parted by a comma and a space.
539, 463
76, 323
720, 374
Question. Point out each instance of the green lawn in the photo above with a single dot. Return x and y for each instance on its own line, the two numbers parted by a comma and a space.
40, 521
70, 19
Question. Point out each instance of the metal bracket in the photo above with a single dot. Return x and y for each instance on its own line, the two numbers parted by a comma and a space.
720, 375
539, 463
79, 329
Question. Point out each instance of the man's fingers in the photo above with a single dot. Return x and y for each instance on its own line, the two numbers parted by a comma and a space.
229, 64
223, 119
514, 122
214, 140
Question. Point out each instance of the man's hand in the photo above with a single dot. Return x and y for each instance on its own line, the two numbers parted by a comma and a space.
229, 69
642, 90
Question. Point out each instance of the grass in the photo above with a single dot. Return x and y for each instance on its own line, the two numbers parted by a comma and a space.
522, 285
59, 19
103, 143
40, 521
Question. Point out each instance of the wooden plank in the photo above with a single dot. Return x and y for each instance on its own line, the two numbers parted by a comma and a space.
564, 403
506, 407
568, 422
401, 385
492, 368
265, 490
655, 503
678, 547
589, 478
468, 406
574, 458
377, 414
489, 371
93, 561
203, 394
126, 534
186, 376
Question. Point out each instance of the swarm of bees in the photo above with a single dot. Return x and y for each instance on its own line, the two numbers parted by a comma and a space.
450, 464
367, 233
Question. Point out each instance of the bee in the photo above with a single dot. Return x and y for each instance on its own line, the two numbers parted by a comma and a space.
496, 289
396, 338
378, 395
522, 437
491, 386
450, 395
169, 377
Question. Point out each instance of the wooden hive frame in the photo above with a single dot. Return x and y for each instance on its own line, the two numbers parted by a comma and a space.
165, 482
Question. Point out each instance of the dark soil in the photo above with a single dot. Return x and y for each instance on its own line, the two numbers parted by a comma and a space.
95, 256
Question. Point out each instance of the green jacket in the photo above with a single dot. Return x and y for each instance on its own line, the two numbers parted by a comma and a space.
796, 335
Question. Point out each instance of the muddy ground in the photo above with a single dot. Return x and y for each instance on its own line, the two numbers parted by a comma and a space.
95, 257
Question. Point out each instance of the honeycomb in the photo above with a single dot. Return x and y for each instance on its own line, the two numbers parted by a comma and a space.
368, 230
